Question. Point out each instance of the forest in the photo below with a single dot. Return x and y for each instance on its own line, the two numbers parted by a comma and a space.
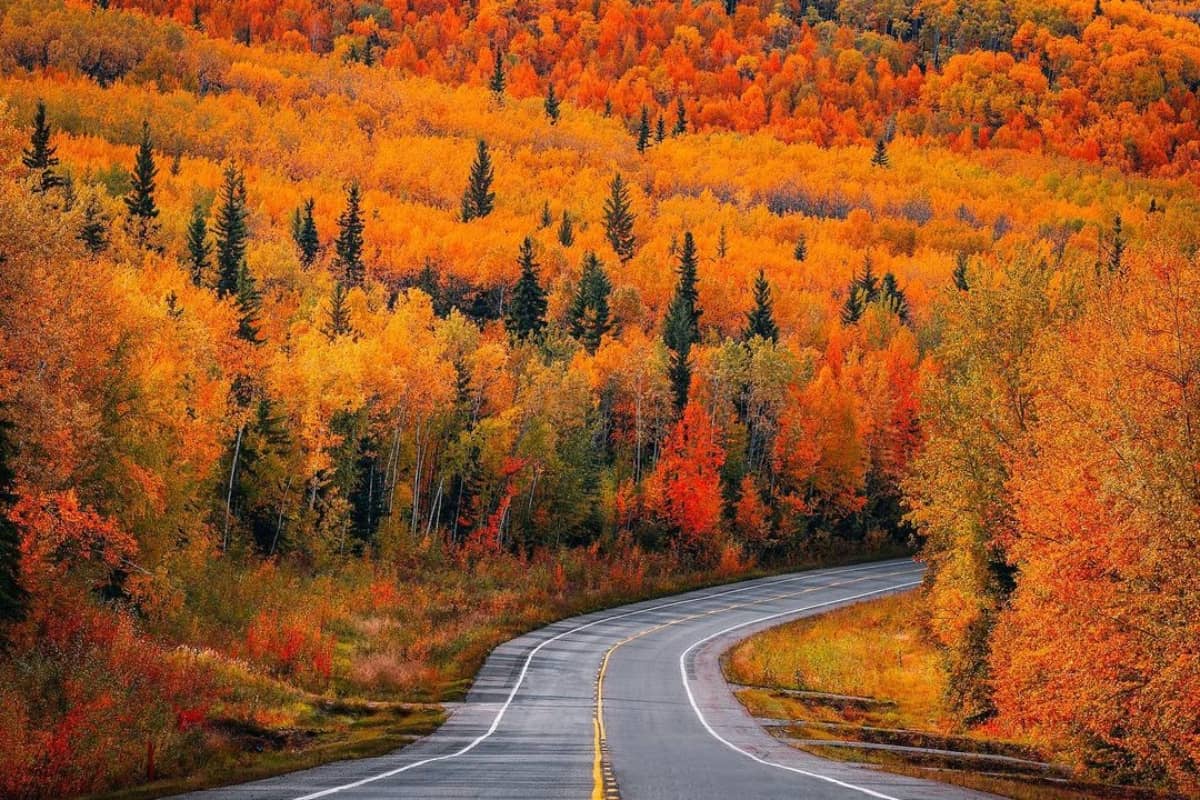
343, 341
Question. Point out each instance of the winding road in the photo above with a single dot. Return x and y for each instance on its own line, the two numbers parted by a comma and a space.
627, 703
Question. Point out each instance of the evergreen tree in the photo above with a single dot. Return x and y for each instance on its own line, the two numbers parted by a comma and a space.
199, 248
551, 104
41, 156
893, 297
527, 309
1097, 11
660, 129
304, 233
349, 243
730, 7
618, 219
588, 316
94, 233
960, 272
643, 131
566, 232
249, 306
337, 321
800, 251
231, 231
853, 308
12, 596
761, 321
479, 198
863, 290
68, 192
880, 157
498, 80
680, 118
867, 282
140, 201
682, 325
1116, 248
722, 243
547, 219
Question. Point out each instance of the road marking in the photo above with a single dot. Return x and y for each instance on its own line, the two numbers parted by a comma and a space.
734, 747
469, 746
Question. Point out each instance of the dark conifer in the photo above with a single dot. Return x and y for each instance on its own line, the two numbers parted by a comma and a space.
304, 232
498, 80
231, 231
588, 315
680, 118
619, 219
682, 326
960, 272
1116, 247
660, 129
551, 104
546, 219
94, 232
643, 131
527, 309
249, 306
199, 248
800, 251
566, 231
41, 156
140, 203
479, 198
880, 157
761, 321
349, 243
13, 596
337, 322
893, 297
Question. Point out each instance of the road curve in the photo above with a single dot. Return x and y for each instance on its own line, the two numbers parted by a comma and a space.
627, 700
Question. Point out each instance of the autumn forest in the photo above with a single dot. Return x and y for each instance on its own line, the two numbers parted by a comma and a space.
342, 341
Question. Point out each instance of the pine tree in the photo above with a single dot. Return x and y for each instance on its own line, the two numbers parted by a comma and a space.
68, 192
498, 80
547, 219
893, 297
337, 322
479, 198
349, 243
880, 157
730, 7
960, 272
94, 232
867, 282
199, 248
551, 104
12, 595
619, 219
41, 156
800, 251
853, 308
1097, 11
1116, 248
249, 306
682, 326
680, 118
588, 316
643, 132
566, 232
304, 233
140, 201
660, 129
527, 309
761, 321
231, 231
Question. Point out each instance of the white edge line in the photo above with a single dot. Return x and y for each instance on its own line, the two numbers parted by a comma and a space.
836, 571
734, 747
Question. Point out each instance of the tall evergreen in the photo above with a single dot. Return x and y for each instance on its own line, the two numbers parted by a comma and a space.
527, 309
643, 131
546, 219
660, 129
249, 306
893, 297
304, 233
337, 322
761, 321
348, 246
12, 595
960, 272
1116, 248
800, 251
198, 246
680, 118
618, 219
880, 156
863, 290
588, 316
94, 231
41, 156
498, 80
566, 231
730, 7
682, 325
140, 203
231, 231
479, 199
551, 104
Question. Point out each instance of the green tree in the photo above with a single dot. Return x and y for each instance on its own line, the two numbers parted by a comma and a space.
231, 231
761, 321
643, 131
304, 233
566, 231
498, 80
546, 219
94, 231
198, 246
800, 251
681, 120
960, 272
880, 156
12, 595
1116, 248
41, 156
479, 199
249, 306
551, 104
682, 325
527, 309
893, 297
337, 319
619, 219
588, 316
140, 204
660, 129
349, 243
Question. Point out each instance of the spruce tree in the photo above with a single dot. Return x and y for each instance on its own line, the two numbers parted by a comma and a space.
893, 297
547, 219
1116, 249
498, 80
960, 272
880, 157
249, 306
800, 251
308, 241
853, 308
41, 156
680, 118
551, 104
198, 246
682, 326
643, 131
337, 322
12, 595
527, 309
349, 243
94, 232
231, 231
566, 232
140, 203
730, 7
588, 316
761, 321
660, 129
479, 199
619, 219
722, 243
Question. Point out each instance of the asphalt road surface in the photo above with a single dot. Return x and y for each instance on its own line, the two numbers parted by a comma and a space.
625, 703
